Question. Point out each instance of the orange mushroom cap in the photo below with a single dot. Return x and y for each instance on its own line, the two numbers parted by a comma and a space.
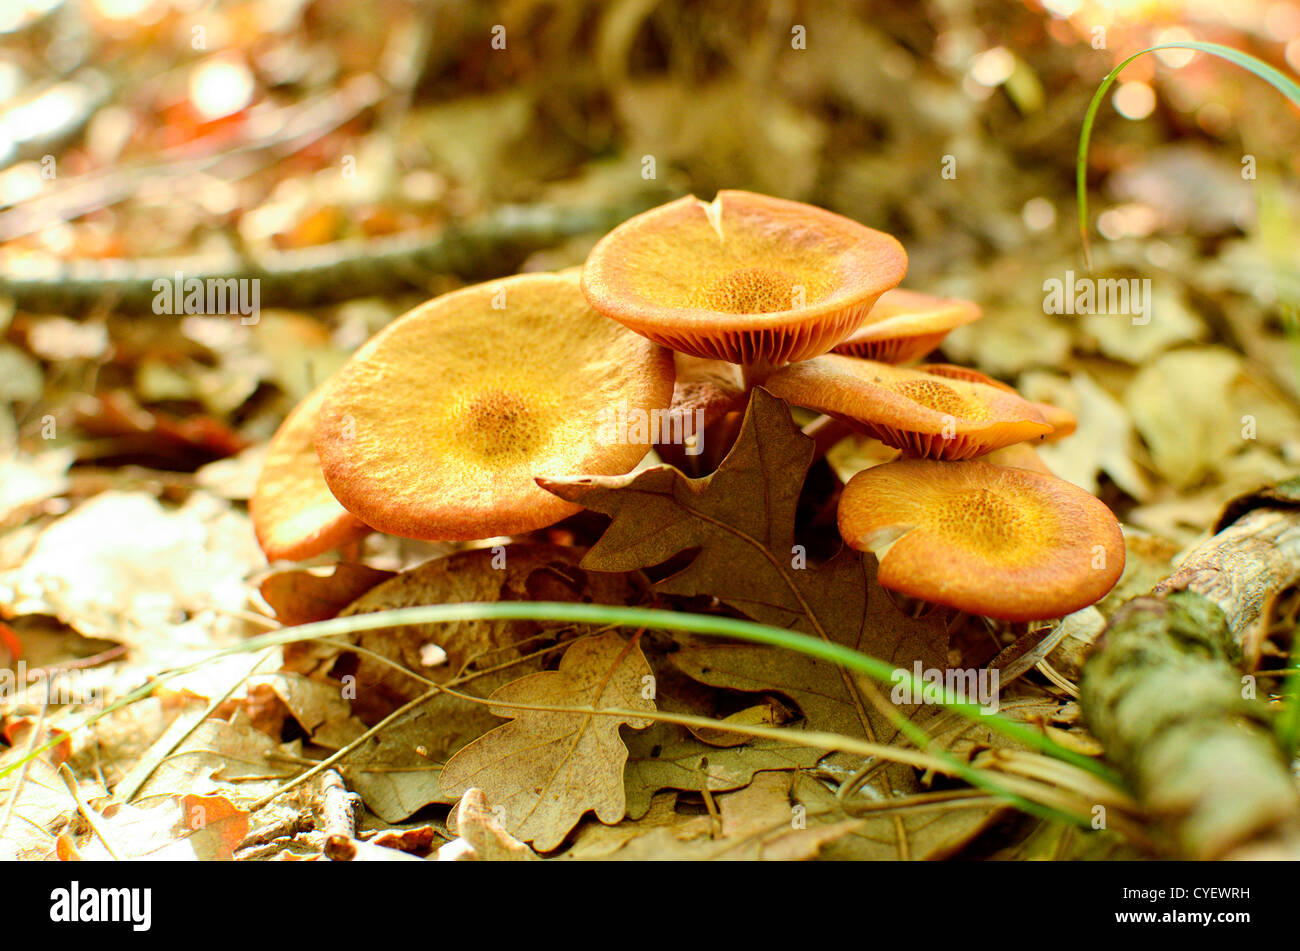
951, 371
905, 325
910, 409
1005, 543
437, 427
295, 516
1062, 421
746, 278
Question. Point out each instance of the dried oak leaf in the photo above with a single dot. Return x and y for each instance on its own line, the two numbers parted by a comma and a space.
396, 771
932, 828
741, 520
518, 572
547, 769
667, 756
759, 822
304, 595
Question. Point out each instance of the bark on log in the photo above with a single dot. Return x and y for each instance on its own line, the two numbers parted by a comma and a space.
1165, 694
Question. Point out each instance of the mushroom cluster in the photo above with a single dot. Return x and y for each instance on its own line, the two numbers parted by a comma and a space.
439, 427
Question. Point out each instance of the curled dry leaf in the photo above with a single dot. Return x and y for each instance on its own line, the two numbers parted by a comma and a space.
741, 520
319, 707
546, 769
304, 595
478, 825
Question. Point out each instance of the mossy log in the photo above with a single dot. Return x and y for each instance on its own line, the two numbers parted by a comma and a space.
1167, 692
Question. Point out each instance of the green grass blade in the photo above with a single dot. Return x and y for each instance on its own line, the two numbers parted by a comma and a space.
1274, 77
600, 614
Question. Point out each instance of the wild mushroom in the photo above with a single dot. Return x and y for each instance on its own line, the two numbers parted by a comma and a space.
295, 516
905, 325
1062, 421
437, 427
746, 278
910, 409
1005, 543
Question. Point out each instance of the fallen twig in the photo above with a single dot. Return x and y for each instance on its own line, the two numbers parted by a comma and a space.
491, 246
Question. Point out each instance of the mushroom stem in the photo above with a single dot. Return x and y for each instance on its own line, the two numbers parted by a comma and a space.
756, 374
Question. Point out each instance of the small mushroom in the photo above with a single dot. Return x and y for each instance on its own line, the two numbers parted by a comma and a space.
1062, 421
910, 409
294, 514
437, 428
1005, 543
746, 278
905, 325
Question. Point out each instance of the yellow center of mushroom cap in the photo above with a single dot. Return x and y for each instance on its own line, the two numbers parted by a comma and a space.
499, 426
938, 396
754, 290
985, 520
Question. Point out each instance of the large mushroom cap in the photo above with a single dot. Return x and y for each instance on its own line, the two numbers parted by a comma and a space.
745, 278
909, 409
295, 516
437, 427
1006, 543
905, 325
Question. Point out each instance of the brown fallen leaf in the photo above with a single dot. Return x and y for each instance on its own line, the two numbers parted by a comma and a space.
1181, 406
595, 840
123, 567
441, 652
396, 771
304, 595
762, 821
220, 758
419, 841
34, 806
759, 822
1103, 442
667, 756
933, 828
123, 431
478, 825
771, 712
546, 769
319, 707
741, 519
